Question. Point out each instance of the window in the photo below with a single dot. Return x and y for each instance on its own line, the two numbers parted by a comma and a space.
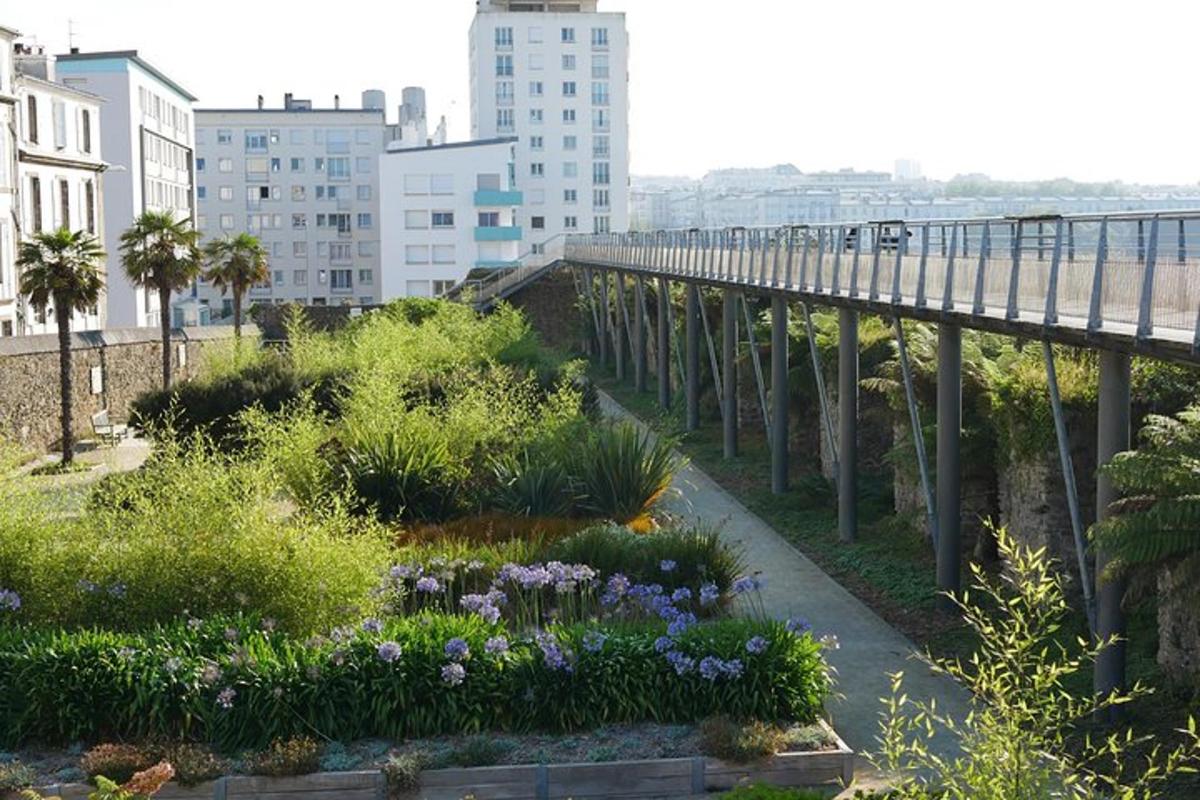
89, 206
504, 37
600, 93
85, 126
536, 89
504, 119
443, 254
416, 184
275, 136
568, 88
537, 169
416, 220
299, 276
536, 116
199, 165
31, 127
570, 223
600, 37
366, 249
489, 219
568, 36
299, 194
570, 196
256, 141
504, 93
570, 143
341, 279
365, 220
362, 165
535, 35
443, 219
537, 223
365, 277
64, 203
364, 191
340, 251
570, 169
275, 165
600, 147
600, 198
337, 141
300, 249
536, 197
279, 277
296, 136
416, 254
227, 222
299, 221
601, 225
600, 66
537, 62
297, 165
504, 66
322, 247
341, 222
224, 136
568, 116
487, 181
441, 184
536, 143
338, 169
568, 62
201, 192
224, 165
600, 173
318, 165
600, 120
225, 193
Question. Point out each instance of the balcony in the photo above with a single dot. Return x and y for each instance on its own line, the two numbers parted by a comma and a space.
492, 264
496, 197
510, 233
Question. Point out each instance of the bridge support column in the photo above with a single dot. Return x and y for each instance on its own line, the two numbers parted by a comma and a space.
602, 334
691, 332
729, 347
1113, 436
949, 488
639, 334
621, 346
663, 351
779, 395
847, 425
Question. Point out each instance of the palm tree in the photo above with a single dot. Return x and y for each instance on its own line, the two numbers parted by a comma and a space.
160, 252
236, 263
62, 269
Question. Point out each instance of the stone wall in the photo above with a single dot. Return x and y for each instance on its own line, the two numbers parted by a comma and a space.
129, 362
550, 305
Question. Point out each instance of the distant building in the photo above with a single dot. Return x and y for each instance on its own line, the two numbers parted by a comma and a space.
147, 137
9, 207
907, 169
447, 210
555, 74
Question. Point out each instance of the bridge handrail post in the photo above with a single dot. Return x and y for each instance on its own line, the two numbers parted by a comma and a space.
876, 254
901, 251
858, 237
1051, 315
985, 252
1094, 307
818, 281
1013, 310
948, 288
920, 298
741, 267
835, 283
1146, 306
791, 244
775, 240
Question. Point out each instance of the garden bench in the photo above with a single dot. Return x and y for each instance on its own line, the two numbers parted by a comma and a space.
106, 431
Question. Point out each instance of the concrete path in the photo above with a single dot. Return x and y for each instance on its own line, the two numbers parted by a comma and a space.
869, 648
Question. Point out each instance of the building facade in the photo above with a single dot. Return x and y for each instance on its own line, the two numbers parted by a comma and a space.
147, 138
9, 207
555, 75
59, 170
446, 211
305, 181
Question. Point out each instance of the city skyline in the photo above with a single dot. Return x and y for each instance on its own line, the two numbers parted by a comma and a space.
913, 84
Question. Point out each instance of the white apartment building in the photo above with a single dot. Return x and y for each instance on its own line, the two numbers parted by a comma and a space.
58, 168
445, 211
9, 207
147, 139
555, 74
305, 181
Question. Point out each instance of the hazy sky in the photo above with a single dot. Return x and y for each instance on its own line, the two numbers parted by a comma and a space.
1022, 89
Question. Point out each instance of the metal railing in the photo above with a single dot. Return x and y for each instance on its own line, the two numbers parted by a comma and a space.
502, 282
1132, 277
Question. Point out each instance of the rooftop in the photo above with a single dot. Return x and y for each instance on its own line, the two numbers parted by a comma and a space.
453, 145
545, 6
128, 55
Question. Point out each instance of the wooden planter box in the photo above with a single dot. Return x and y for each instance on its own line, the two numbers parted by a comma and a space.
664, 777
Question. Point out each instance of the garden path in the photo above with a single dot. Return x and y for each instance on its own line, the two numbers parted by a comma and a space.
869, 648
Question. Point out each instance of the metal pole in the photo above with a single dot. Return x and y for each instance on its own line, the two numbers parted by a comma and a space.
663, 360
603, 319
712, 356
619, 329
639, 334
1068, 471
822, 397
949, 486
758, 371
848, 424
1113, 436
729, 344
779, 395
917, 434
691, 330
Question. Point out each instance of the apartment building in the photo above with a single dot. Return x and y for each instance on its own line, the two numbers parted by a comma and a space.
305, 181
9, 208
555, 75
58, 170
445, 211
146, 136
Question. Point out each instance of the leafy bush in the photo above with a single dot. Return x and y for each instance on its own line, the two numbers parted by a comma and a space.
117, 762
532, 487
739, 742
622, 472
250, 688
194, 763
762, 791
403, 772
15, 776
479, 751
298, 755
399, 477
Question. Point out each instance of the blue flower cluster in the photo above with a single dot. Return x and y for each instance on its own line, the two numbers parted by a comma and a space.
115, 591
9, 600
485, 605
554, 654
564, 578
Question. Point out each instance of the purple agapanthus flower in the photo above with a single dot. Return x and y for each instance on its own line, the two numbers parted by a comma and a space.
454, 674
710, 668
748, 583
667, 565
401, 572
388, 652
457, 649
496, 645
681, 623
428, 585
681, 595
372, 625
757, 645
663, 643
84, 585
683, 664
225, 697
117, 591
9, 600
593, 641
798, 626
554, 655
732, 668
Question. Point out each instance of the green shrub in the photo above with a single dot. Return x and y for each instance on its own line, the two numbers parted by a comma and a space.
739, 742
117, 762
532, 487
298, 755
479, 751
762, 791
622, 472
194, 763
15, 776
403, 772
182, 682
398, 477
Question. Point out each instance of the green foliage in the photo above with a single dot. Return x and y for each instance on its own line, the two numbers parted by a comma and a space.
61, 269
397, 476
533, 487
118, 762
1013, 743
479, 751
168, 682
739, 742
762, 791
403, 772
194, 763
297, 755
622, 472
15, 776
1158, 520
